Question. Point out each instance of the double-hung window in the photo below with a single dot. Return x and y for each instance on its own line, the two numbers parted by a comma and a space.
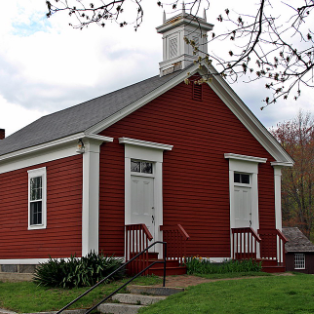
37, 199
299, 261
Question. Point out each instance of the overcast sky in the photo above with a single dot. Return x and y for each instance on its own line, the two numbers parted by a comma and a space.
45, 65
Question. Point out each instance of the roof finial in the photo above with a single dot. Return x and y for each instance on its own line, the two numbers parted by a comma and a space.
183, 7
205, 17
164, 17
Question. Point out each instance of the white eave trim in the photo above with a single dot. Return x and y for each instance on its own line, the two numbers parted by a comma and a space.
52, 144
245, 158
154, 145
282, 164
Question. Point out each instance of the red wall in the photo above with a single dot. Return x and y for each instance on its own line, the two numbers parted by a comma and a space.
195, 172
63, 235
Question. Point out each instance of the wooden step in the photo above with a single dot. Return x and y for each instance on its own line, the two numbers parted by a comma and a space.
170, 271
151, 255
273, 269
239, 256
269, 262
172, 263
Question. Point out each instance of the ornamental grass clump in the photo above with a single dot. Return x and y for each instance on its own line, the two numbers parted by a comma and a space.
77, 272
197, 265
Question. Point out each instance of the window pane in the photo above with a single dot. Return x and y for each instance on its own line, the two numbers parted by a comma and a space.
36, 188
241, 178
245, 178
135, 166
237, 177
36, 213
146, 167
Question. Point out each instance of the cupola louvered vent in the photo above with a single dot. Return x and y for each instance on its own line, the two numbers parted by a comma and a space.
173, 47
198, 92
177, 54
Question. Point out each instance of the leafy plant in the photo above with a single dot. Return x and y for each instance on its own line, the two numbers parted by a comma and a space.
77, 272
197, 265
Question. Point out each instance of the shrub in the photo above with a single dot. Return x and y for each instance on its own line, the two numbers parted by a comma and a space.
77, 272
197, 265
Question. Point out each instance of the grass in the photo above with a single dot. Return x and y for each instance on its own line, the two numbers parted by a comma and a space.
26, 297
267, 295
233, 275
197, 265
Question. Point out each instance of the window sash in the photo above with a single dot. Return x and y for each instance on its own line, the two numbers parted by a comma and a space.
37, 211
141, 167
299, 261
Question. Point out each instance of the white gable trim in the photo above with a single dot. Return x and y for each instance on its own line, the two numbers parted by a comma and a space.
226, 94
245, 115
97, 128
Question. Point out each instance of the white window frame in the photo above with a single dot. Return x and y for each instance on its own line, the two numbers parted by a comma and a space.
40, 172
297, 257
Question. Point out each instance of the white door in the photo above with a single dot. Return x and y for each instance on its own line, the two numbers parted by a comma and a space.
142, 202
242, 206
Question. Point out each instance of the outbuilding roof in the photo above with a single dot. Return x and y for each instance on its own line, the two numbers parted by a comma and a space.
80, 117
298, 242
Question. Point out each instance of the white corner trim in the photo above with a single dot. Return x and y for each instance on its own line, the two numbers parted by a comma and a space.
281, 164
245, 158
90, 203
135, 142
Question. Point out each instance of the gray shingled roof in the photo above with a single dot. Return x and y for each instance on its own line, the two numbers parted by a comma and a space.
81, 117
298, 242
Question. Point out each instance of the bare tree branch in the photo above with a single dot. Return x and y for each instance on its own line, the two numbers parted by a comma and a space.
279, 50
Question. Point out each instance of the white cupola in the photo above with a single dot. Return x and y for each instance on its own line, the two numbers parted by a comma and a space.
177, 54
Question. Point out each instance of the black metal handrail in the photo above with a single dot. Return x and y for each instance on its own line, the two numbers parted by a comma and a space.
122, 266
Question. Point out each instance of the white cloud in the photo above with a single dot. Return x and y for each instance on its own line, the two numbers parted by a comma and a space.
45, 65
16, 115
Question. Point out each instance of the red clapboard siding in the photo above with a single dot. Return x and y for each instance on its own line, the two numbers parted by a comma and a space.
63, 235
195, 172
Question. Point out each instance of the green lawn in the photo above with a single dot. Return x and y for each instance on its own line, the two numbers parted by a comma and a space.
26, 297
265, 295
271, 295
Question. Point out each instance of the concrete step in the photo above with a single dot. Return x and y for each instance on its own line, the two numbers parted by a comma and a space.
138, 296
148, 290
137, 299
119, 308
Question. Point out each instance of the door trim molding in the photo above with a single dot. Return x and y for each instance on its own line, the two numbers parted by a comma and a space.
248, 165
133, 149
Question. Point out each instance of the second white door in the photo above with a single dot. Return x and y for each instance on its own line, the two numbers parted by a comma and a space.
142, 202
